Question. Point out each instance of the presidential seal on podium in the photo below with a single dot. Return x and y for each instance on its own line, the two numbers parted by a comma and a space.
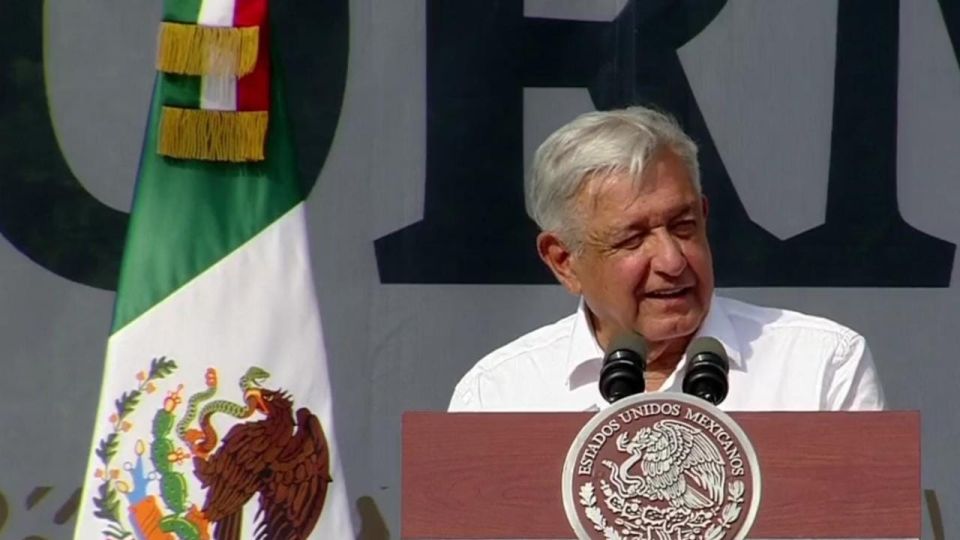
661, 466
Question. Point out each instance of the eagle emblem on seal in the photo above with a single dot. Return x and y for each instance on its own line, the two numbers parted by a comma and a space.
677, 464
661, 468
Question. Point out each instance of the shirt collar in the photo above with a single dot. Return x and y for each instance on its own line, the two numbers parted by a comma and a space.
717, 324
585, 357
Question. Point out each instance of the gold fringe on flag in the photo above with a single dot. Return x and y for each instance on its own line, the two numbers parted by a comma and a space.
190, 49
212, 135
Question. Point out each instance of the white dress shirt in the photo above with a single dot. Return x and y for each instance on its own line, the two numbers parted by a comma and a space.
780, 360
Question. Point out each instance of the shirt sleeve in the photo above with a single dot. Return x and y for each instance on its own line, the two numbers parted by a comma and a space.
851, 381
464, 398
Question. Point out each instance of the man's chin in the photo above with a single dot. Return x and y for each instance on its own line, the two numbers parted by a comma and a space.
671, 329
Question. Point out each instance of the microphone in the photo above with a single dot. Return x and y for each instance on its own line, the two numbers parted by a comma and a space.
623, 367
707, 368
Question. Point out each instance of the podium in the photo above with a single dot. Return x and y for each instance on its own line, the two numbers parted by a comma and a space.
498, 475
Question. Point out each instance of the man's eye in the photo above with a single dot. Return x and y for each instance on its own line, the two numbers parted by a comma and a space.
684, 227
631, 242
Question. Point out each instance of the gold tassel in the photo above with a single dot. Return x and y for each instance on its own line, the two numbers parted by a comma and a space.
190, 49
208, 135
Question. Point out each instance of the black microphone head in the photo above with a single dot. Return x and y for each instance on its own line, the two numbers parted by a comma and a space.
623, 367
707, 368
628, 341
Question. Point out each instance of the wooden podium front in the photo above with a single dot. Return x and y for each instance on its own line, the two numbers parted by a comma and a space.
498, 475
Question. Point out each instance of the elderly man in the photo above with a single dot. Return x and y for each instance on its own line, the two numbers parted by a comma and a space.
617, 197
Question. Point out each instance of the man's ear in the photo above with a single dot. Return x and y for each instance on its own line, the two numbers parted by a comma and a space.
559, 259
704, 206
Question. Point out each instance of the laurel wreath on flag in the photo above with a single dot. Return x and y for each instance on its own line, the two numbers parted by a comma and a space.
107, 501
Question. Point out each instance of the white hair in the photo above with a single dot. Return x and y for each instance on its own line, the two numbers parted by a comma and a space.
592, 146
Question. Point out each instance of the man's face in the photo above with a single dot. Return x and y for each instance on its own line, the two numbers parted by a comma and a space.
645, 263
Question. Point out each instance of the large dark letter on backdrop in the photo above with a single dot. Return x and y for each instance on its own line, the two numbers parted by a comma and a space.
480, 56
46, 212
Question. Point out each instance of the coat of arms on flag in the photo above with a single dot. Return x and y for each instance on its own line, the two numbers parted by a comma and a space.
215, 418
271, 452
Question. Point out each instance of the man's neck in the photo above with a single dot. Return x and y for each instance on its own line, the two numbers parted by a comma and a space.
662, 356
662, 359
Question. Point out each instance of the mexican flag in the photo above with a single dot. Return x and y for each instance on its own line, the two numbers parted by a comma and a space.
215, 417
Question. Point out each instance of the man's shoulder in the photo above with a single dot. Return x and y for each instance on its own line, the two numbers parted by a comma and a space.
773, 319
543, 340
805, 362
513, 362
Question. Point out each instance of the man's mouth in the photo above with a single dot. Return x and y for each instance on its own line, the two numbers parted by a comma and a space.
674, 292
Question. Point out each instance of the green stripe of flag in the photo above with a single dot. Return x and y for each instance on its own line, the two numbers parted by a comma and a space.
181, 90
216, 206
182, 11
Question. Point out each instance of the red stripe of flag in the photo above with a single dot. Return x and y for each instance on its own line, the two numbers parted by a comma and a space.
253, 90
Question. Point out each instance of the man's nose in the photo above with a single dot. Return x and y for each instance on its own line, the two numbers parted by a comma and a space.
668, 257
